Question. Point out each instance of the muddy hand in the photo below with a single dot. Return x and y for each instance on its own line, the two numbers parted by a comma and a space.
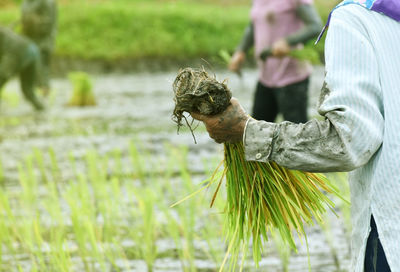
227, 126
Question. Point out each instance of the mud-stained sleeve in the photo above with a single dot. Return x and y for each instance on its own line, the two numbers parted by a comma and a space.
314, 146
258, 140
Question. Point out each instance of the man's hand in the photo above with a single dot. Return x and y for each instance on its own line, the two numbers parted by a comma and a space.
227, 126
236, 61
280, 48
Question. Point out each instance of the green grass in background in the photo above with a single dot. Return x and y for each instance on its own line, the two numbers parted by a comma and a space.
151, 29
147, 30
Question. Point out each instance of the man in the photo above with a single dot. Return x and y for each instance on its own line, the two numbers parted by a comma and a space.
19, 56
39, 20
360, 103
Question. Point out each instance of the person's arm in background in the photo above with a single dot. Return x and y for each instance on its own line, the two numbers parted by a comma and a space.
312, 27
240, 54
351, 104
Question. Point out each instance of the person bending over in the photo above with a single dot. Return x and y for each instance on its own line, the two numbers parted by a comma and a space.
19, 57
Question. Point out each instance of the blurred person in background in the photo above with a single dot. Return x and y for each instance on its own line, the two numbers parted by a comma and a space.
359, 132
19, 57
276, 27
39, 23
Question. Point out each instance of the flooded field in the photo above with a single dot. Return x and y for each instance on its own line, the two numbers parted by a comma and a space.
90, 189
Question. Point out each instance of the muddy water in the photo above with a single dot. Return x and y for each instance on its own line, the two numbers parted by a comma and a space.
139, 106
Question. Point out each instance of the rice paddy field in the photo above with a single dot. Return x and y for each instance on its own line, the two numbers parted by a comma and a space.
91, 188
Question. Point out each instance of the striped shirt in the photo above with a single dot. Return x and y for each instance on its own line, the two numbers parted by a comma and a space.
360, 131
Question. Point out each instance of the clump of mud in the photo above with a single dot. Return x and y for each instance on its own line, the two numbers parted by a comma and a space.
196, 91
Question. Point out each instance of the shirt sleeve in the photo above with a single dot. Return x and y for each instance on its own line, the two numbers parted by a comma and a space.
247, 40
352, 128
312, 25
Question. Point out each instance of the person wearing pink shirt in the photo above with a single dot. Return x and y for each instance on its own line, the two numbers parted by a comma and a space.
276, 27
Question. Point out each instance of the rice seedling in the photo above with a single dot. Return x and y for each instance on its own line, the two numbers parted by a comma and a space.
327, 229
38, 155
341, 181
60, 258
103, 194
137, 162
82, 93
308, 53
72, 163
187, 217
103, 202
52, 205
55, 169
6, 216
28, 182
211, 232
81, 212
192, 230
33, 240
182, 226
260, 196
146, 232
118, 168
283, 250
1, 172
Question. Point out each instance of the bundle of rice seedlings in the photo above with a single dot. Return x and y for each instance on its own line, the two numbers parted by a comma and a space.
82, 94
306, 53
261, 197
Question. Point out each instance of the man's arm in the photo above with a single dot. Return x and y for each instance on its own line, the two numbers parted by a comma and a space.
350, 102
247, 40
312, 25
239, 56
